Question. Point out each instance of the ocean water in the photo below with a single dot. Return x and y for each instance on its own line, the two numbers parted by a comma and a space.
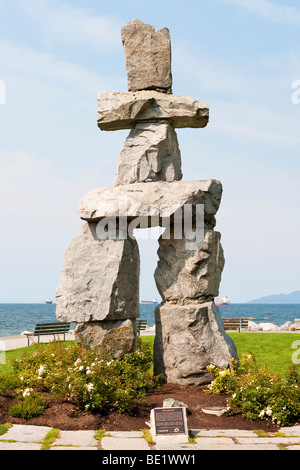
15, 318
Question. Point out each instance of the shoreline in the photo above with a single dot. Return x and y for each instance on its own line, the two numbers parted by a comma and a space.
8, 343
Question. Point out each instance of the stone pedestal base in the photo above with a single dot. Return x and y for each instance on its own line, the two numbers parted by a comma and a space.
188, 339
116, 338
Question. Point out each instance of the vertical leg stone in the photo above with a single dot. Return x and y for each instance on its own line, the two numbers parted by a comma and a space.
189, 330
99, 288
116, 338
188, 339
184, 275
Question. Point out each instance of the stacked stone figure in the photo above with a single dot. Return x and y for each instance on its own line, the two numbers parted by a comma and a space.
99, 286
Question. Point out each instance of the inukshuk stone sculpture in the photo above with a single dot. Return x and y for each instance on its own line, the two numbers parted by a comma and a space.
99, 287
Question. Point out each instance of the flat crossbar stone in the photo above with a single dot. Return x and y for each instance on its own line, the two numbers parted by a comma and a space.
160, 199
122, 110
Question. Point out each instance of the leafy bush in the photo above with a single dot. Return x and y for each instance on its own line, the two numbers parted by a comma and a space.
29, 406
87, 377
8, 382
258, 393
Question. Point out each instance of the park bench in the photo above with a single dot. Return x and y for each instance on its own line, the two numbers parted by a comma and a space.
141, 325
42, 329
239, 324
297, 323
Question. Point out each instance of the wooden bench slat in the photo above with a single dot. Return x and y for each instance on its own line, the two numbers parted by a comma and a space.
235, 323
43, 329
141, 325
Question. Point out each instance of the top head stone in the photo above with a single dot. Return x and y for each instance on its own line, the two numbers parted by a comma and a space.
148, 57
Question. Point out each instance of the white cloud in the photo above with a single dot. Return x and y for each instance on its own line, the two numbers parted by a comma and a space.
250, 100
270, 11
258, 124
27, 62
66, 24
33, 188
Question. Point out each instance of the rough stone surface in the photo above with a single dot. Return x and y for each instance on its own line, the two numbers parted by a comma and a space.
115, 337
148, 56
122, 110
185, 275
27, 433
188, 339
161, 199
172, 403
76, 438
100, 279
132, 443
150, 153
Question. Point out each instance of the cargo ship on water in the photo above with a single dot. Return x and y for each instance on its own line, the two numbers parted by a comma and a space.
222, 301
149, 302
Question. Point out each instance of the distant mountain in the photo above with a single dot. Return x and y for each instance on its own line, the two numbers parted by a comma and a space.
293, 298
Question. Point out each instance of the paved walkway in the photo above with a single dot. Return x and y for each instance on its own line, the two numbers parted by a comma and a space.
8, 343
26, 437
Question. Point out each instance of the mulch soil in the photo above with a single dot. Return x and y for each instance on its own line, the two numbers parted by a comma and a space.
63, 415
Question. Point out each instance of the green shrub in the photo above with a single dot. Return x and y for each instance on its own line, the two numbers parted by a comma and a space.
8, 382
4, 428
88, 378
29, 406
258, 393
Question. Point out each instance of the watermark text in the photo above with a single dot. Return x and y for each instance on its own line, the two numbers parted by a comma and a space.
296, 93
2, 92
296, 354
2, 352
186, 223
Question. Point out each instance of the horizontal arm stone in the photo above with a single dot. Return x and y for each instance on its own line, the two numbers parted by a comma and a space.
161, 199
122, 110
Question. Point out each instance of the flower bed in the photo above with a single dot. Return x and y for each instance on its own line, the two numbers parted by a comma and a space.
87, 377
258, 393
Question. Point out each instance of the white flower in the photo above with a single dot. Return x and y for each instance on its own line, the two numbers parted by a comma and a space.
261, 414
89, 387
269, 411
77, 362
223, 372
41, 370
27, 392
81, 367
234, 395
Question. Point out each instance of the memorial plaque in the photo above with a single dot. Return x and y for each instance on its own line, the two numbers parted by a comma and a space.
169, 421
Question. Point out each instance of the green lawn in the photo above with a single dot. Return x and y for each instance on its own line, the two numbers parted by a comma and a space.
273, 350
17, 354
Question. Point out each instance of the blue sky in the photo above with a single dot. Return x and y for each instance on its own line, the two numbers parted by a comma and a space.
240, 56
